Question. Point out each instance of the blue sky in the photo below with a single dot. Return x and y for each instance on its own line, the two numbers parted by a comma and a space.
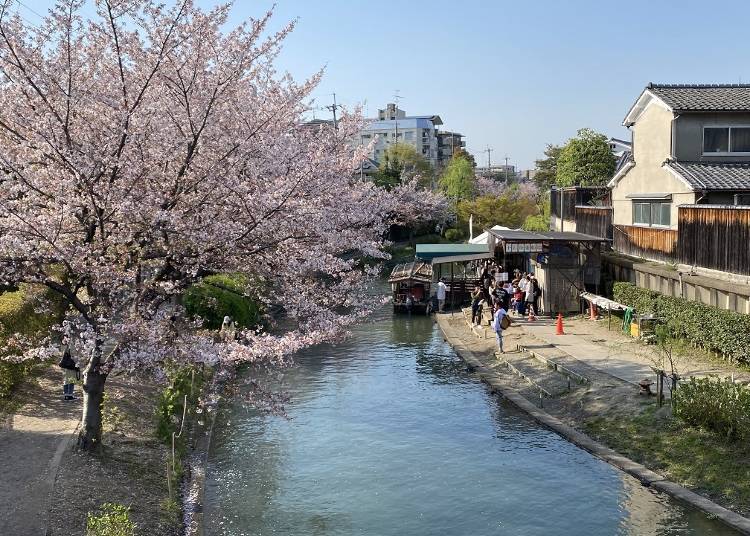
513, 76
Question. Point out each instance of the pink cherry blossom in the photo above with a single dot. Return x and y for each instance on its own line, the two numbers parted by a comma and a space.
149, 147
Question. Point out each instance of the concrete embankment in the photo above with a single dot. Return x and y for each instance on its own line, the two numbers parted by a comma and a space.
484, 363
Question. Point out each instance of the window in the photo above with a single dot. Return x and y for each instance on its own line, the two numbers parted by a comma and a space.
365, 136
408, 135
740, 140
718, 140
652, 213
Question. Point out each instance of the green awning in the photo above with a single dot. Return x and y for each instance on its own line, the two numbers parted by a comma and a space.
442, 253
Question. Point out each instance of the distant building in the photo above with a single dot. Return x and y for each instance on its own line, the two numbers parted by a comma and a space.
394, 126
498, 172
619, 147
448, 144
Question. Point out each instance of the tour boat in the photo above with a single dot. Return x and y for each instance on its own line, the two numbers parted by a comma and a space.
411, 279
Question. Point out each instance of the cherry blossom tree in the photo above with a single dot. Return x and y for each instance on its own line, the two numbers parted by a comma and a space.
415, 205
146, 148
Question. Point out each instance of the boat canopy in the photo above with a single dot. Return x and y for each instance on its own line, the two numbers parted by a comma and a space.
416, 271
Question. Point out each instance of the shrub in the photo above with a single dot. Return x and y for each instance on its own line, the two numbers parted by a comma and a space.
172, 400
714, 329
715, 404
111, 520
454, 235
18, 315
222, 295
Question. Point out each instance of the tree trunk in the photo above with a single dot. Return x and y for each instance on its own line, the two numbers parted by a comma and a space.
90, 436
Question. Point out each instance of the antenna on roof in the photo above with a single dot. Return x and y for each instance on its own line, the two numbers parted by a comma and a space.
396, 97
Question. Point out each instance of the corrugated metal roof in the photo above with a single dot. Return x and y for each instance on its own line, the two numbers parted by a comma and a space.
544, 236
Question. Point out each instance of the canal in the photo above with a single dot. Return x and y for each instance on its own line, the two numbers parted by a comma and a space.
387, 434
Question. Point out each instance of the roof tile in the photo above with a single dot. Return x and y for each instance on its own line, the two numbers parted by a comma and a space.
704, 97
713, 176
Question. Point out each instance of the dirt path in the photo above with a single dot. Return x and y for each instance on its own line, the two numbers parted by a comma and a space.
32, 443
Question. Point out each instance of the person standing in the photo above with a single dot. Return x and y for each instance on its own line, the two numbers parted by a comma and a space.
537, 293
71, 374
486, 281
441, 290
530, 297
476, 306
500, 323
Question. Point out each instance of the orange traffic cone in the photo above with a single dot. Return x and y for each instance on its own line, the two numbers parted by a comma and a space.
559, 330
531, 317
592, 311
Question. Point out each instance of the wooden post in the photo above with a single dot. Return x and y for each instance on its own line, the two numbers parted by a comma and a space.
453, 289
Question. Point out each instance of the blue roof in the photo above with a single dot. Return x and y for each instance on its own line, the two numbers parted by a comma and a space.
409, 122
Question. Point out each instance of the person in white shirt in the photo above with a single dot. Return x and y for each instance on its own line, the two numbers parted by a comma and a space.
441, 289
500, 313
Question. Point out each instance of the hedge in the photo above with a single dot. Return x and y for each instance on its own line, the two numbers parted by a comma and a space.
222, 295
715, 404
714, 329
17, 315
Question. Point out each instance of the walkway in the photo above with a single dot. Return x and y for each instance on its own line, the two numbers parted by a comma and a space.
33, 441
617, 354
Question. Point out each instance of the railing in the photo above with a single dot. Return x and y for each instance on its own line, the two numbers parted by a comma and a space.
577, 196
594, 221
715, 237
647, 242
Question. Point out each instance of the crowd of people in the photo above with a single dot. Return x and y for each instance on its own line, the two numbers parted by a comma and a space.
518, 296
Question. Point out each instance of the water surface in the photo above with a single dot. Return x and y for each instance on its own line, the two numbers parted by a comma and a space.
387, 434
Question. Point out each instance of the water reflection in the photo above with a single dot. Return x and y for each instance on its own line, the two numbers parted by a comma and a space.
388, 435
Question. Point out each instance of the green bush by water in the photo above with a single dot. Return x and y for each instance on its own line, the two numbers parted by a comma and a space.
112, 519
711, 328
715, 404
222, 295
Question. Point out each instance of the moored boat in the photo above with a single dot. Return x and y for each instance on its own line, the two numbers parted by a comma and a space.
410, 284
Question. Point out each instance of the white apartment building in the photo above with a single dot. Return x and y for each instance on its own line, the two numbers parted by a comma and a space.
393, 125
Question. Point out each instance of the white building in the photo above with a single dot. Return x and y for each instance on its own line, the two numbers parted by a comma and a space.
393, 125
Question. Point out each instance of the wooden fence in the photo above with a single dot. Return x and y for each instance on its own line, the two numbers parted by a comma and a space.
715, 237
594, 221
575, 196
647, 242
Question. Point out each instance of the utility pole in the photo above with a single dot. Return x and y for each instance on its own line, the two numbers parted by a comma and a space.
333, 108
489, 159
506, 169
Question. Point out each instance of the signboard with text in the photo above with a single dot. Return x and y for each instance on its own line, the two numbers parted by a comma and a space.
531, 247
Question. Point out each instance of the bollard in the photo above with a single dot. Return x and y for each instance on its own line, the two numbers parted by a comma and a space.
568, 383
541, 400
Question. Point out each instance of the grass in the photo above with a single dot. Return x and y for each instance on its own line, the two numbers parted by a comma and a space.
693, 457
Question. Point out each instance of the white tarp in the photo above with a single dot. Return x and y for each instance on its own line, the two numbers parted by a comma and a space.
484, 237
603, 303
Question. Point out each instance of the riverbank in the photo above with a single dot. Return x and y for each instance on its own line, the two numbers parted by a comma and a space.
584, 395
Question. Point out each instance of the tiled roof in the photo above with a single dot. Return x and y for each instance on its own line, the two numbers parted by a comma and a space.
627, 156
713, 176
708, 97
